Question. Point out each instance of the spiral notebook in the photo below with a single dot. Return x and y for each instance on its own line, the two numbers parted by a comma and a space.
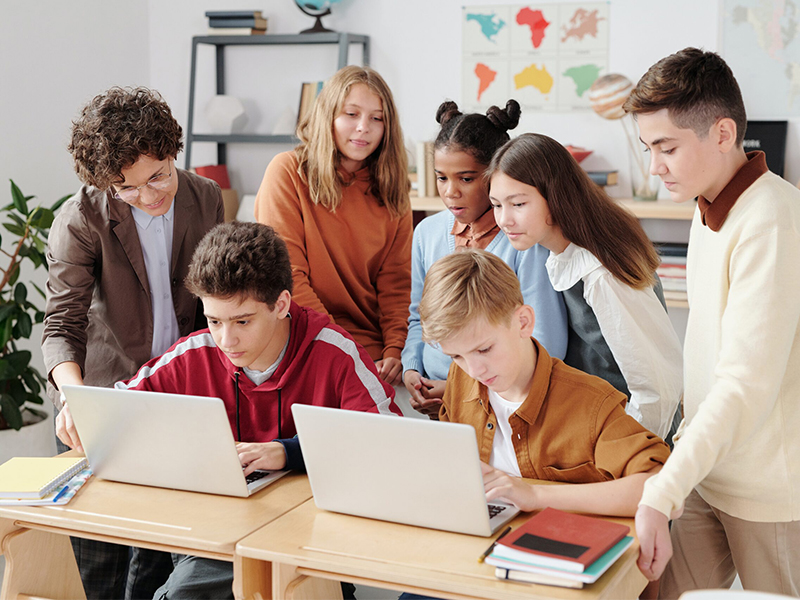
35, 477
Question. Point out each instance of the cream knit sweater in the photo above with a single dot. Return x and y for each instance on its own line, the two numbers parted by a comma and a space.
740, 439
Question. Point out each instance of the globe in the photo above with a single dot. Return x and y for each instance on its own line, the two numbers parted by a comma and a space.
608, 94
317, 9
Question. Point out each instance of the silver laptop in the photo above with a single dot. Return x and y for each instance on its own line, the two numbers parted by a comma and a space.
162, 440
404, 470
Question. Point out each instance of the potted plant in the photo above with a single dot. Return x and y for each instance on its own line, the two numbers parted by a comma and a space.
21, 385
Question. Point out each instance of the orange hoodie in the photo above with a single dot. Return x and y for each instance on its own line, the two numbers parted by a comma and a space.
353, 264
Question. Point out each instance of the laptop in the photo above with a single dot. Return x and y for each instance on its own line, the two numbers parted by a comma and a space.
404, 470
162, 440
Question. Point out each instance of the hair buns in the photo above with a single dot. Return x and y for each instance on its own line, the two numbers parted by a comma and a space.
504, 119
447, 110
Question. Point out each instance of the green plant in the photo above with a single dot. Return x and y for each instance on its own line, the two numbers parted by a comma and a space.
21, 384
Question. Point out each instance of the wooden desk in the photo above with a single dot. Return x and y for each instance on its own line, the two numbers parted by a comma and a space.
39, 559
299, 554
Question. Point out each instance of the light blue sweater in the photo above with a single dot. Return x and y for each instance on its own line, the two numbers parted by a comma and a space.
432, 241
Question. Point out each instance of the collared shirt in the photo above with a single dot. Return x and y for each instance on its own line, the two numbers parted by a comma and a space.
636, 329
714, 213
477, 234
572, 427
155, 236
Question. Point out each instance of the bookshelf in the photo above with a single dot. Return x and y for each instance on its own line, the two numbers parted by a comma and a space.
661, 209
342, 40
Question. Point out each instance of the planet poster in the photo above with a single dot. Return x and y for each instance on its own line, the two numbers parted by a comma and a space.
544, 56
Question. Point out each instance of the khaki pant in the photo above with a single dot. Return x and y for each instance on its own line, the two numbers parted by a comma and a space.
710, 547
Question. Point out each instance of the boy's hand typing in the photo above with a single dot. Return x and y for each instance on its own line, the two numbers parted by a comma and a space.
390, 370
426, 394
269, 456
506, 488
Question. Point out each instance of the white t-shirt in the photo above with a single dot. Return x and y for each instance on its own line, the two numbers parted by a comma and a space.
504, 457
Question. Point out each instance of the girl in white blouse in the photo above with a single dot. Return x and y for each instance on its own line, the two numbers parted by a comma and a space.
604, 264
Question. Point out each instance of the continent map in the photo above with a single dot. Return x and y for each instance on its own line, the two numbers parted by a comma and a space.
545, 56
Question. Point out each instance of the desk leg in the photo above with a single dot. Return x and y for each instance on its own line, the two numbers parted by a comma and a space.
288, 584
30, 553
252, 578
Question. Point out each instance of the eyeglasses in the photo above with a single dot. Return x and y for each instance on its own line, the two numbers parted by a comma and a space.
157, 182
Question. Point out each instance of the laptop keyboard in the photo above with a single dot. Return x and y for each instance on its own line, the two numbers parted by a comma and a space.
256, 475
495, 509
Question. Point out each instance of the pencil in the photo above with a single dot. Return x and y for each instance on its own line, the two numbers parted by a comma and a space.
488, 551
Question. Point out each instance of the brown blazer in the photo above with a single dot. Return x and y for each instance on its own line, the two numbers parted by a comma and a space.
572, 427
98, 311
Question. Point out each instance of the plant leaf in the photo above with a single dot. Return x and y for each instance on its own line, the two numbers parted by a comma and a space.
57, 204
20, 293
24, 326
31, 382
15, 229
11, 412
18, 199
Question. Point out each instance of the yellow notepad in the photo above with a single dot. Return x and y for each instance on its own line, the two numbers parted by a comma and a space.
34, 477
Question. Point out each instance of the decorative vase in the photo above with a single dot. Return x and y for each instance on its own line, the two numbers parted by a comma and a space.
644, 186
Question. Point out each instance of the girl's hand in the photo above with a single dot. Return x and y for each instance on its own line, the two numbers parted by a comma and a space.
502, 486
269, 456
426, 394
390, 370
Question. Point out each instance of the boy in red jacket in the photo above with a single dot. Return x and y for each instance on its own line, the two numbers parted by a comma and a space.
261, 353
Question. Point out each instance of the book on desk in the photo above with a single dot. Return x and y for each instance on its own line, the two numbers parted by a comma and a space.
560, 548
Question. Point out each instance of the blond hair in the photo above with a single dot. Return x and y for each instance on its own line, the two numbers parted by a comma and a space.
465, 286
319, 158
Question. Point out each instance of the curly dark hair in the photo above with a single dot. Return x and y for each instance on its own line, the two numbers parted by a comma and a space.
240, 258
478, 135
116, 128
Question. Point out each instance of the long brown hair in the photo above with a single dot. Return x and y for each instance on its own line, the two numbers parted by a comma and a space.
584, 212
319, 158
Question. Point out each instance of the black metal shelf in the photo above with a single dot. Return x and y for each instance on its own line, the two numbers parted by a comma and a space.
342, 40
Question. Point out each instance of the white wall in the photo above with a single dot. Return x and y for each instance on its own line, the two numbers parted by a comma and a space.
54, 57
416, 46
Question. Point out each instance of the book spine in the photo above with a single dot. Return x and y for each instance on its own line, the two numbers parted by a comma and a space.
226, 23
421, 165
233, 14
431, 189
603, 177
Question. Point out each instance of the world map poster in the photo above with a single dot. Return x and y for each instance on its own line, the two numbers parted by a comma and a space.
761, 43
544, 56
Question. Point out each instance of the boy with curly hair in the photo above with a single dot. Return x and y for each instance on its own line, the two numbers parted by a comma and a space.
736, 464
119, 250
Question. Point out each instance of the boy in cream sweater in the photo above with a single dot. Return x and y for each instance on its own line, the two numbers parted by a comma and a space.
736, 466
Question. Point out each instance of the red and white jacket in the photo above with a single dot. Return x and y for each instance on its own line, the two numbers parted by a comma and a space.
322, 366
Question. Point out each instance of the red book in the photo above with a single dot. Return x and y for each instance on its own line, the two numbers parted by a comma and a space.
218, 173
561, 540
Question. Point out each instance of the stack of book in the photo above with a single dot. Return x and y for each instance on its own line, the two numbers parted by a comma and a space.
426, 176
37, 480
672, 270
603, 178
559, 548
236, 22
308, 95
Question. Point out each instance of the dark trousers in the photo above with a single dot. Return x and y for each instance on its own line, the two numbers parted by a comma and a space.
110, 571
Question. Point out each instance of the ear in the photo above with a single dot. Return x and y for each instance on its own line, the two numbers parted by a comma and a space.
526, 319
283, 303
725, 130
